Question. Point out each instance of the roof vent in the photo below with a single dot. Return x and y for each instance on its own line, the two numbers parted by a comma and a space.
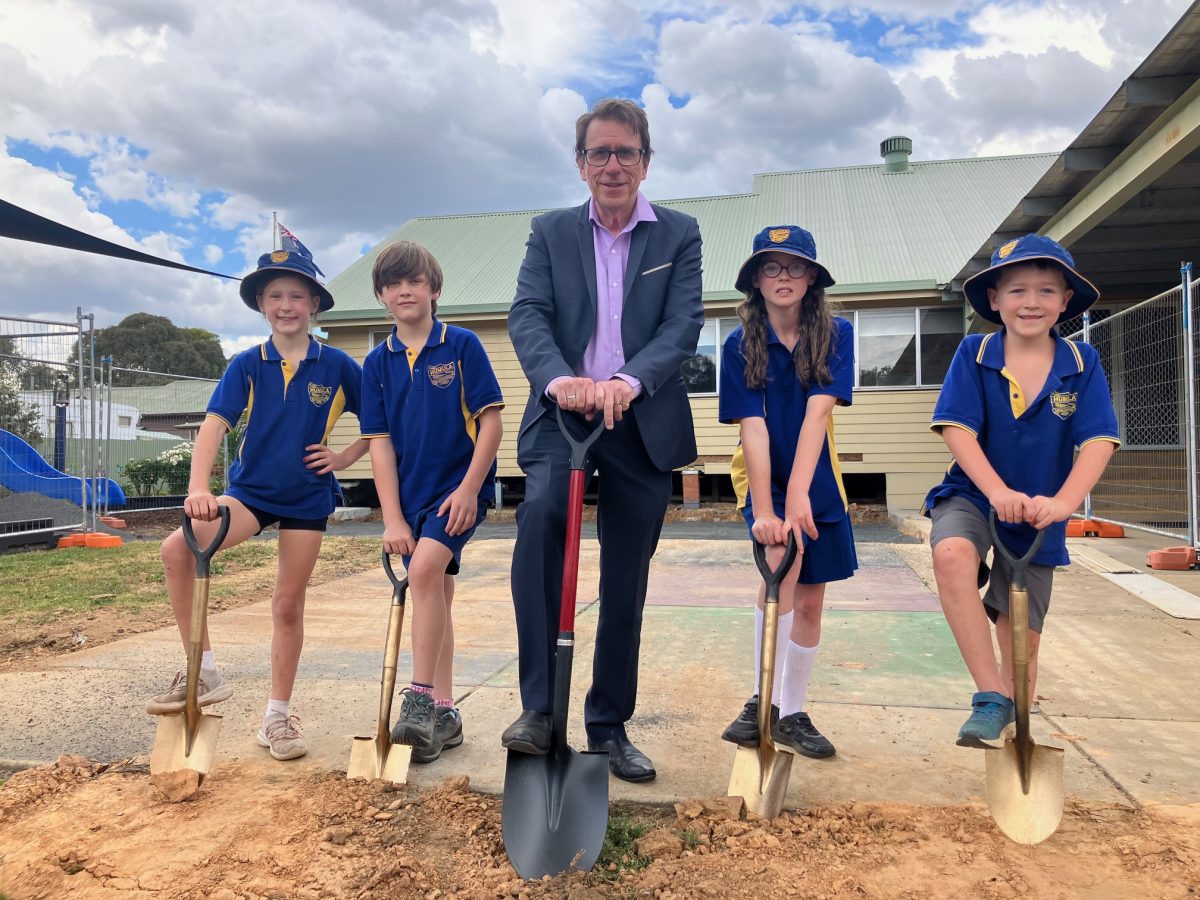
895, 152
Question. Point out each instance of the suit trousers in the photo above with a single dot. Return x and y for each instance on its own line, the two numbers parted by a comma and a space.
632, 496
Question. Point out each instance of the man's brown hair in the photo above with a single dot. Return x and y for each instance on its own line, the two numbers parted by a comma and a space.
611, 110
406, 260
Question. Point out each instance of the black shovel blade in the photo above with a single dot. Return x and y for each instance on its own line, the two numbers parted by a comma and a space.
555, 811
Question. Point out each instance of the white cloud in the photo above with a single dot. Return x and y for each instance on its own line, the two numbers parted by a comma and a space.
213, 254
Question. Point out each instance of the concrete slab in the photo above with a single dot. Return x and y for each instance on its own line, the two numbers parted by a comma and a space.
889, 689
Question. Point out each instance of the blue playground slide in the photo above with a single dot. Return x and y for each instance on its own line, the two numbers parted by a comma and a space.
22, 470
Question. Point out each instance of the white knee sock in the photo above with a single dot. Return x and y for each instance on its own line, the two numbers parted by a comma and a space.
796, 671
782, 633
279, 707
208, 661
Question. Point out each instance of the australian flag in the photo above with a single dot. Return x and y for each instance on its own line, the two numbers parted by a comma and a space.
291, 243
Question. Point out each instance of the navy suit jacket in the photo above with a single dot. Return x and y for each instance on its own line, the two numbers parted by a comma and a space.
553, 317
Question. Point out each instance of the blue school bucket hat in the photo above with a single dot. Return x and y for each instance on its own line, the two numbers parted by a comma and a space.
783, 239
1030, 248
283, 262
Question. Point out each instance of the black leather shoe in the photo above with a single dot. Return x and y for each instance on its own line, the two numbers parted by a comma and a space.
529, 734
625, 761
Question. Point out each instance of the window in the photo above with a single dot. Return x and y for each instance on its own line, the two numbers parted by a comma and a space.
905, 347
124, 421
701, 374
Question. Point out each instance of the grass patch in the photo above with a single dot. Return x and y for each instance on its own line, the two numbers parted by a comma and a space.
691, 840
620, 847
36, 587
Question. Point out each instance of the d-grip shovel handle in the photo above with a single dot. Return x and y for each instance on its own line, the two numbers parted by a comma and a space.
766, 668
1018, 564
565, 647
775, 577
391, 654
1018, 618
204, 555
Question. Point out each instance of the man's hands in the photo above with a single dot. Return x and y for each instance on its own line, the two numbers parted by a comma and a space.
582, 395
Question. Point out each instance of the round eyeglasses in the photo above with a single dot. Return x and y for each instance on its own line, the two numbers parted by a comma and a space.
626, 156
797, 269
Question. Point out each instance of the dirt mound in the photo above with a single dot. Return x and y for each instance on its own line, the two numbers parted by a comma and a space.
79, 828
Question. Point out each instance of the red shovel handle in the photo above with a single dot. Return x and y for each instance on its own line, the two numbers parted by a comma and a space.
579, 449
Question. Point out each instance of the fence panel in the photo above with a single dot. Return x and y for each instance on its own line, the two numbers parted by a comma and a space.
148, 422
1144, 351
47, 462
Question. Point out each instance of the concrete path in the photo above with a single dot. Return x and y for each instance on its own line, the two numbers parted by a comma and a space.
1118, 681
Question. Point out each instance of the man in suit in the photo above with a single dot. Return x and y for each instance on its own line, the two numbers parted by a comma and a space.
608, 306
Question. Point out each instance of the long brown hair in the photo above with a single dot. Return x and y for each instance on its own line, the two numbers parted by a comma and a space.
811, 353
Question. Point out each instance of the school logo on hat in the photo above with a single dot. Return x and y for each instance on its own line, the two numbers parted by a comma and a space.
779, 235
1063, 404
319, 394
279, 256
441, 376
1037, 249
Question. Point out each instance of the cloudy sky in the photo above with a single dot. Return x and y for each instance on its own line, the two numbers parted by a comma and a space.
178, 127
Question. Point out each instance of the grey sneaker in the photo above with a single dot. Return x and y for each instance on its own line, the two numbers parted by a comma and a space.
417, 720
211, 689
447, 734
281, 735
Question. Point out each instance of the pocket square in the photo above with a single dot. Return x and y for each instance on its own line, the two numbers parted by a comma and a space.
658, 268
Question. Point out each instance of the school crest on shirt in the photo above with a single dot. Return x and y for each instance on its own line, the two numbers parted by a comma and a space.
441, 375
1063, 404
778, 235
319, 394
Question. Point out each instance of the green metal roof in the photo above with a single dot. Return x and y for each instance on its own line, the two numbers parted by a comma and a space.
876, 231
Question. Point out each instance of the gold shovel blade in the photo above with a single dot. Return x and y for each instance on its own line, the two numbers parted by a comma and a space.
169, 753
760, 777
1026, 818
365, 761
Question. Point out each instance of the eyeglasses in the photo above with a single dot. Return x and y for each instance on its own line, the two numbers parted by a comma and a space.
797, 269
626, 156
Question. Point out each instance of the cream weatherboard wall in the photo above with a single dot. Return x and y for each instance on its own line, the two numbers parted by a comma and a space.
884, 431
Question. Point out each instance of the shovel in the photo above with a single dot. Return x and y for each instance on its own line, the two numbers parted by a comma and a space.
555, 809
760, 774
188, 740
377, 757
1024, 780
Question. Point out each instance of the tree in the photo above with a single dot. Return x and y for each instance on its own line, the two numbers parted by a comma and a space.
156, 344
21, 419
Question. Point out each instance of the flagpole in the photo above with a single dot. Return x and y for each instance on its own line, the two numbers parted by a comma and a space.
275, 244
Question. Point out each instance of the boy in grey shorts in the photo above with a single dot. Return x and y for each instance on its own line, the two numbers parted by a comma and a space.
1013, 408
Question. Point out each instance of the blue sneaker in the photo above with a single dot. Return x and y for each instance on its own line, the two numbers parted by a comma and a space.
991, 713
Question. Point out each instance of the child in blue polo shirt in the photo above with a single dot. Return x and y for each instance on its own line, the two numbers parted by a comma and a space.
782, 373
431, 411
292, 389
1013, 408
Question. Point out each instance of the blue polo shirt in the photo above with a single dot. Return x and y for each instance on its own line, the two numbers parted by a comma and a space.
1030, 445
428, 400
286, 410
783, 402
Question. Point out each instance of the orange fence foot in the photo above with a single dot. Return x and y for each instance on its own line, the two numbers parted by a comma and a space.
91, 539
1177, 559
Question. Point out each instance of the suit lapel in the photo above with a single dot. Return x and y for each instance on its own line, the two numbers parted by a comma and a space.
637, 249
587, 255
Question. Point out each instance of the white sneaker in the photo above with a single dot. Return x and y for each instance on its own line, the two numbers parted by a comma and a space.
281, 735
211, 689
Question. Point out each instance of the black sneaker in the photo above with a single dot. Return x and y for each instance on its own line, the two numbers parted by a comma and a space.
447, 734
743, 730
416, 725
797, 731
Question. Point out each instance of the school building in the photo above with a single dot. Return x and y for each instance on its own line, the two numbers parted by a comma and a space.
900, 236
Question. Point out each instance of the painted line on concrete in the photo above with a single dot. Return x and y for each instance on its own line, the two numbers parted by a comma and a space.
1174, 601
1108, 776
